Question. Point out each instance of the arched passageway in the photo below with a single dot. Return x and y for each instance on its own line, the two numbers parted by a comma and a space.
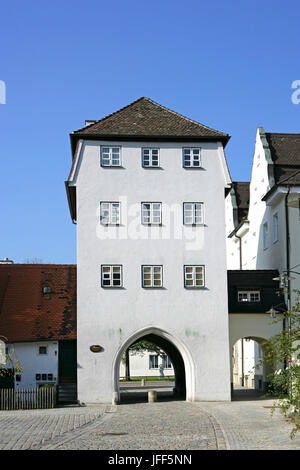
250, 371
181, 386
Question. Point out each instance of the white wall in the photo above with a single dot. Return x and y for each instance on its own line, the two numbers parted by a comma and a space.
197, 320
139, 366
33, 363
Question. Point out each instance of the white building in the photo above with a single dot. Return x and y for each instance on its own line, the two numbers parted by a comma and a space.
265, 235
148, 364
146, 189
268, 238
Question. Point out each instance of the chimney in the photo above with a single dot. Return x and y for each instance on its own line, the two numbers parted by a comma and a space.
6, 261
88, 122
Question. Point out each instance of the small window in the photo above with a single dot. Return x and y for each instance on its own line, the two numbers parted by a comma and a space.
152, 276
151, 213
18, 377
265, 235
194, 276
111, 276
193, 213
166, 362
110, 213
249, 296
50, 377
150, 157
37, 376
275, 228
42, 349
110, 156
153, 361
44, 376
192, 157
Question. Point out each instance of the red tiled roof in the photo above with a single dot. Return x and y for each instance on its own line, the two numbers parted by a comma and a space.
28, 314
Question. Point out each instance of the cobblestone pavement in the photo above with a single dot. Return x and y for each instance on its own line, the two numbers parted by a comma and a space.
148, 426
33, 428
177, 425
248, 425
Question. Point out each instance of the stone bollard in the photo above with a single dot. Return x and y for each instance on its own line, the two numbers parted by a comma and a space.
143, 383
152, 396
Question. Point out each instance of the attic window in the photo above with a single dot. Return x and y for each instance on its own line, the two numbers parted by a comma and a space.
249, 296
46, 290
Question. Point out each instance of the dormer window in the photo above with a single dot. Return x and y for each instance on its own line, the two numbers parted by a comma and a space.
249, 296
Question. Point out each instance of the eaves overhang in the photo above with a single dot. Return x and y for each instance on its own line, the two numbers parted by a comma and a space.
75, 137
240, 229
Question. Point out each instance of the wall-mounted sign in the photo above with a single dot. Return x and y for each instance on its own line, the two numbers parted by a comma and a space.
96, 348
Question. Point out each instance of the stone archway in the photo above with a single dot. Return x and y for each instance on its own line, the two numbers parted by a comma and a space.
174, 348
260, 368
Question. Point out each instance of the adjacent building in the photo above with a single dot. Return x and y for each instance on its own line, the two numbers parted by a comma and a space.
38, 326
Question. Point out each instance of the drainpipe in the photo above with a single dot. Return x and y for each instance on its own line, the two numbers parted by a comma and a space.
287, 230
241, 253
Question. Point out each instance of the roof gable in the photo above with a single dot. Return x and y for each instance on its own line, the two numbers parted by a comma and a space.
285, 153
145, 118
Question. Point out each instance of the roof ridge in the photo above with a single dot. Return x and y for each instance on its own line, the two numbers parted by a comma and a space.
282, 133
109, 115
156, 104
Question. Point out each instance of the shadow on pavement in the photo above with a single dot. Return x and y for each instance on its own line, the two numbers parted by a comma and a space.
133, 392
244, 394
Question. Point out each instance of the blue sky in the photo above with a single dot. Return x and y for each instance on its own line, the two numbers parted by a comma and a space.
229, 65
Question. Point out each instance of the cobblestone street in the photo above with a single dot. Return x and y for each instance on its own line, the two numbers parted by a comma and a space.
166, 424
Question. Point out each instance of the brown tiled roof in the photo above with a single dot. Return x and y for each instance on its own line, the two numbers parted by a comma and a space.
28, 314
242, 194
285, 153
144, 118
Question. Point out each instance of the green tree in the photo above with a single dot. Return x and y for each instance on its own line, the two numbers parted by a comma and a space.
139, 348
282, 353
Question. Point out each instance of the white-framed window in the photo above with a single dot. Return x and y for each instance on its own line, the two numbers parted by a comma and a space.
111, 275
249, 296
192, 157
193, 213
43, 350
110, 213
152, 276
275, 228
194, 276
150, 157
265, 235
153, 361
110, 156
151, 213
166, 362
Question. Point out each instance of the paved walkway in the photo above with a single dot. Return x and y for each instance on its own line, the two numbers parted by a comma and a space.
168, 424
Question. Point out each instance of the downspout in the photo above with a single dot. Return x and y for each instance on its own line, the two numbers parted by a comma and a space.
241, 253
287, 230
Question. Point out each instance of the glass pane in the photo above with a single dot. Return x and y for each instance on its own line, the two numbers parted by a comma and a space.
106, 269
189, 283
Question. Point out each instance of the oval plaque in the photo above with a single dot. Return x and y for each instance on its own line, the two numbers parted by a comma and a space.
96, 348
